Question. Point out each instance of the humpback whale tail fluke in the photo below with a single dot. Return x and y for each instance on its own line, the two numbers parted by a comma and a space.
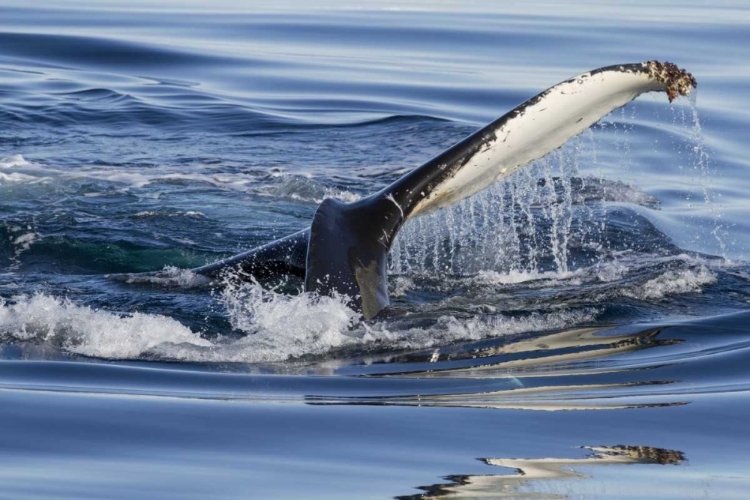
346, 248
349, 243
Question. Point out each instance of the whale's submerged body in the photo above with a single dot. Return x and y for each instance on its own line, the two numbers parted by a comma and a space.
345, 250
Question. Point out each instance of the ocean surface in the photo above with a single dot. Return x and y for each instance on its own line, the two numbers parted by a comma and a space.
580, 330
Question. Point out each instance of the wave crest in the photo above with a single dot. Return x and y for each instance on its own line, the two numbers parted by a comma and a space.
87, 331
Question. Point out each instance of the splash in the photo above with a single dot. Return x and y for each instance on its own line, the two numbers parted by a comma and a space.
87, 331
282, 326
278, 327
674, 282
523, 226
548, 218
701, 163
399, 285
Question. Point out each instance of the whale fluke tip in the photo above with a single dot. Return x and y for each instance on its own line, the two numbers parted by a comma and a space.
676, 80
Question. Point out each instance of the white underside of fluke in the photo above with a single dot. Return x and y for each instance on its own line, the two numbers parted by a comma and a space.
541, 125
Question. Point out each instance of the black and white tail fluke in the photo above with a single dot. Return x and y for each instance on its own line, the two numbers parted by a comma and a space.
345, 250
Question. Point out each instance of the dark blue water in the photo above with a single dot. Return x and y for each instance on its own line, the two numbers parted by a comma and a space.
577, 331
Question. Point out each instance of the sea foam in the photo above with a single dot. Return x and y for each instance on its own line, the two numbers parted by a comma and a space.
88, 331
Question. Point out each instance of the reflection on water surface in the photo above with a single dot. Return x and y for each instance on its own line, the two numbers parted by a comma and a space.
529, 475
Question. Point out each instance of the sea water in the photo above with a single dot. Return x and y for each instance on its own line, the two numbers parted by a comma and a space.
577, 331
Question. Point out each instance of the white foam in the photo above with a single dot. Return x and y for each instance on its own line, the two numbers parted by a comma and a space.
153, 213
634, 275
14, 161
87, 331
611, 271
282, 326
17, 178
133, 178
291, 186
22, 242
277, 327
674, 282
399, 285
449, 329
17, 161
513, 277
25, 240
303, 188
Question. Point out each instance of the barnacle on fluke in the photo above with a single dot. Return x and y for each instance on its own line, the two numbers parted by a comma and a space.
678, 81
